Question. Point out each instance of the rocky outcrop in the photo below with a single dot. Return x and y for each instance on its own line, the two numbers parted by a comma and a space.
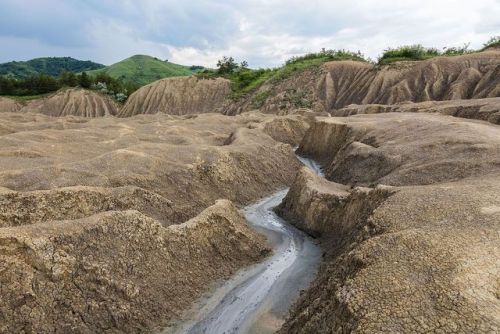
337, 84
9, 105
417, 257
178, 96
73, 102
487, 109
116, 271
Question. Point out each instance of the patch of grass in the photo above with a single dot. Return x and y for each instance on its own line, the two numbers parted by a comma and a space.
407, 53
27, 98
260, 98
297, 98
418, 52
245, 80
492, 43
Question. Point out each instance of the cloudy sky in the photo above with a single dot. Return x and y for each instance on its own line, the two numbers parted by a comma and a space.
263, 32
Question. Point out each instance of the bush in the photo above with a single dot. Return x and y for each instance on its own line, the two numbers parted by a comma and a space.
328, 55
407, 52
492, 42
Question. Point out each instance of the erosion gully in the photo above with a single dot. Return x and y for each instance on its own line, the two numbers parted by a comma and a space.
257, 299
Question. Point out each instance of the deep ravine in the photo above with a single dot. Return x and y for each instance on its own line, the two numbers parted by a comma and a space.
257, 299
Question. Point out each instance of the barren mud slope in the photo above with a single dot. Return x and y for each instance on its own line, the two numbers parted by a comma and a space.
73, 102
178, 96
93, 231
337, 84
418, 256
9, 105
189, 162
487, 109
116, 271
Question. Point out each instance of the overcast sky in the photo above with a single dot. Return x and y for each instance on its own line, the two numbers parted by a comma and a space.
265, 33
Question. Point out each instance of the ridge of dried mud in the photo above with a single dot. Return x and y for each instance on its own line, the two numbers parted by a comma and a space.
410, 232
110, 225
337, 84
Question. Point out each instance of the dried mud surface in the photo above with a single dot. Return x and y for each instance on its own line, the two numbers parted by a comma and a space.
411, 229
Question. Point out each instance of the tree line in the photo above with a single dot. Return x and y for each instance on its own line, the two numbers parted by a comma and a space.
42, 84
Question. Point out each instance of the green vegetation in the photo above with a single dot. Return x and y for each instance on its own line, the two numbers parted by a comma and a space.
141, 70
245, 80
492, 42
418, 52
53, 67
41, 85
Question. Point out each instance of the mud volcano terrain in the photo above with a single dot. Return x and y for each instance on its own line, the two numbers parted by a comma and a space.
124, 219
115, 225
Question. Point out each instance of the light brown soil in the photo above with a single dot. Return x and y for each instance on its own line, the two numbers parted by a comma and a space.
93, 231
337, 84
118, 271
73, 102
178, 96
9, 105
487, 109
420, 257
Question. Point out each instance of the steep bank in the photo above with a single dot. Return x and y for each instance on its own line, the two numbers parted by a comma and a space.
337, 84
190, 162
93, 231
73, 102
178, 96
117, 271
416, 257
487, 109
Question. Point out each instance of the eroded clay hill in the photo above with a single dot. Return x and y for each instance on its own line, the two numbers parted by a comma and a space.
73, 102
9, 105
410, 229
109, 224
178, 96
337, 84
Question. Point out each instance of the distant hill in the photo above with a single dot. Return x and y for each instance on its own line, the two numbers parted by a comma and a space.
52, 66
142, 70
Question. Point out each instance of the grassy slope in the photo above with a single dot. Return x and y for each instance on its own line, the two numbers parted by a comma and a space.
142, 70
52, 66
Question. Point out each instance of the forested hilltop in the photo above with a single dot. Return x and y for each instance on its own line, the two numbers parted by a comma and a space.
52, 66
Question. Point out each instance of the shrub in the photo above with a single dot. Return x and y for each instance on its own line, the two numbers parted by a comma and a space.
492, 42
407, 52
328, 55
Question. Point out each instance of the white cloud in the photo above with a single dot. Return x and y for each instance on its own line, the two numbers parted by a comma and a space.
263, 32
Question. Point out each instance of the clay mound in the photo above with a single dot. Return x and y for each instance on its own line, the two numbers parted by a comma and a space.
9, 105
73, 102
117, 271
487, 109
178, 96
338, 84
419, 257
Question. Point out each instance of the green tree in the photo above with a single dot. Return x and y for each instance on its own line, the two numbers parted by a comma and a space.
68, 79
84, 80
226, 66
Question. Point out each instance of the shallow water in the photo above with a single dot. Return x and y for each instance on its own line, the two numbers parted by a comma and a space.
257, 299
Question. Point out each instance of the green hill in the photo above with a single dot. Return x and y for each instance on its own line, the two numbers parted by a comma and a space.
142, 70
52, 66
